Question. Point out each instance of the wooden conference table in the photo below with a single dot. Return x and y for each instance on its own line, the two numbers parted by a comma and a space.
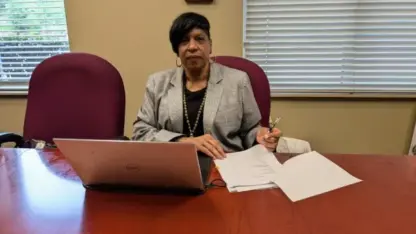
40, 193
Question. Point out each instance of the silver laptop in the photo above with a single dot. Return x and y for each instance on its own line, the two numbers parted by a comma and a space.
147, 165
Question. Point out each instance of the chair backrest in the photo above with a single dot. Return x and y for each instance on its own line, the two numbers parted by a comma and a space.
75, 95
258, 79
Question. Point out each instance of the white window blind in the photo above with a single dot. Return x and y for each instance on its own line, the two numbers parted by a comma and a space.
333, 46
30, 31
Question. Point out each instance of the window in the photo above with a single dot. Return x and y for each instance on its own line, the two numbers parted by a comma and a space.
30, 31
333, 46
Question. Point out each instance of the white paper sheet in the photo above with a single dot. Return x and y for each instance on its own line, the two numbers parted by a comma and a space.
252, 169
311, 174
255, 187
300, 177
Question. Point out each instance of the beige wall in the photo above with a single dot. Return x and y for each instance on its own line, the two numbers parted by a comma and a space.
133, 35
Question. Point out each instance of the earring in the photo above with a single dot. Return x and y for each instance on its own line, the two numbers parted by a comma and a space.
178, 64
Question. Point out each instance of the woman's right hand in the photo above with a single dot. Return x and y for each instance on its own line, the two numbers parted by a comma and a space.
206, 144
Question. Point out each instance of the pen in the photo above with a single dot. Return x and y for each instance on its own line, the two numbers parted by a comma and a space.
272, 124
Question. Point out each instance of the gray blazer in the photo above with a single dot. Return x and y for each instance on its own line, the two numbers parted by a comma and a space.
231, 114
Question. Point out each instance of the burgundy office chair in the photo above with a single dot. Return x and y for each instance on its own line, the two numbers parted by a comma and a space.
258, 79
73, 95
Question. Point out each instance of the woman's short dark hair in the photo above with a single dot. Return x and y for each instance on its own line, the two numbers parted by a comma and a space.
185, 23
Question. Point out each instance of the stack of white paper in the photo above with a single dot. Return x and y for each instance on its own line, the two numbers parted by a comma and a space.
252, 169
303, 176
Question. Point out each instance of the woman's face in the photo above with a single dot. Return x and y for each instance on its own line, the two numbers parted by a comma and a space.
194, 50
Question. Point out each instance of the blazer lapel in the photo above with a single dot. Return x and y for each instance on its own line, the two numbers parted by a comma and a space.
175, 101
214, 93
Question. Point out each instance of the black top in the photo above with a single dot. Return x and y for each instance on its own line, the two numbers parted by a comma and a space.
193, 103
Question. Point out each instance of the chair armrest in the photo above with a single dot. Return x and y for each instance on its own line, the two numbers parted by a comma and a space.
6, 137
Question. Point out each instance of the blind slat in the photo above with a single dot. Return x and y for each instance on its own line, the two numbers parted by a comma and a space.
44, 19
37, 1
322, 2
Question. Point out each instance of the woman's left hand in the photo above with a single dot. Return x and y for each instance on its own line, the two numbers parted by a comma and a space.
268, 138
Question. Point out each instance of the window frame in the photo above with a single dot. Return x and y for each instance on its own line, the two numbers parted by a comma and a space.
342, 95
20, 86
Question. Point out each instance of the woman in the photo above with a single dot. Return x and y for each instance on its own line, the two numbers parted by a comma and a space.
201, 102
